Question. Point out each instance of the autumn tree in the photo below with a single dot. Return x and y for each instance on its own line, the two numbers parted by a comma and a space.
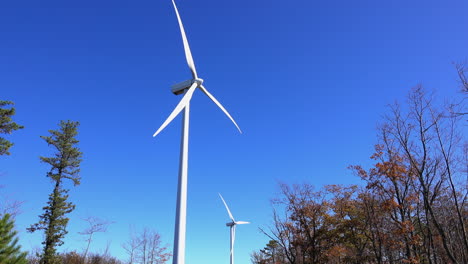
412, 208
74, 257
375, 223
414, 202
272, 253
302, 232
65, 165
7, 126
337, 224
390, 185
10, 251
347, 229
428, 139
103, 259
259, 257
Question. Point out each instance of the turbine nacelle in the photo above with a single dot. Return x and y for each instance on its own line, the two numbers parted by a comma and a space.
237, 223
179, 88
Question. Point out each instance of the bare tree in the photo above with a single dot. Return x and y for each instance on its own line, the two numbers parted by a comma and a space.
146, 248
462, 70
131, 247
459, 108
34, 255
9, 206
95, 225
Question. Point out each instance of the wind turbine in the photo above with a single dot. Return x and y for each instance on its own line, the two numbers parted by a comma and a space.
187, 88
232, 228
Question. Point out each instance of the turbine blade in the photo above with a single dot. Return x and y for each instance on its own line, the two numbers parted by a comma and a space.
242, 223
188, 54
185, 100
219, 105
227, 208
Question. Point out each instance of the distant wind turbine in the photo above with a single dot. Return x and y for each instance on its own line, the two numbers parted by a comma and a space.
232, 228
187, 88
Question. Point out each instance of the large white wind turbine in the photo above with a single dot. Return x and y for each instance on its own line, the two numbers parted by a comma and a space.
187, 88
232, 228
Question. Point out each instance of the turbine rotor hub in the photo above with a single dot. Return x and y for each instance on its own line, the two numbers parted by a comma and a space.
199, 81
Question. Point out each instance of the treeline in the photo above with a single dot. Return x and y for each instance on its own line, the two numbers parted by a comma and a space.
145, 247
411, 208
78, 258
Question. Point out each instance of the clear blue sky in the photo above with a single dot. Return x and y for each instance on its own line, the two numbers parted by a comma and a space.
307, 81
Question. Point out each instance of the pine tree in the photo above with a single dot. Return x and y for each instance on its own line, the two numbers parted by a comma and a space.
7, 126
10, 251
65, 164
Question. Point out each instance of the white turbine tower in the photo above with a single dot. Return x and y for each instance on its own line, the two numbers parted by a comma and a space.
187, 88
232, 228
